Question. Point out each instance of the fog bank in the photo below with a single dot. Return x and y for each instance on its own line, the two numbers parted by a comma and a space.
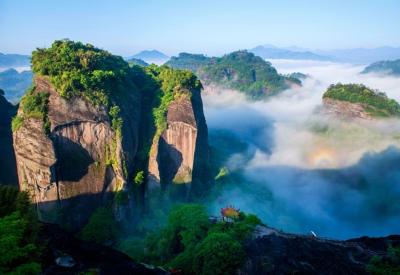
303, 171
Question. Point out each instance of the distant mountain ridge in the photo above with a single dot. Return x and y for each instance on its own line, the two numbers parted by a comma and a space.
271, 52
15, 83
136, 61
362, 55
188, 61
151, 56
355, 55
384, 67
10, 60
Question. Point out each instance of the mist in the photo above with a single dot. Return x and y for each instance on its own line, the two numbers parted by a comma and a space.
299, 170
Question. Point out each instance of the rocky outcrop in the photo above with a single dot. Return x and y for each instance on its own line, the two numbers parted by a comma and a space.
180, 154
81, 161
8, 172
344, 109
274, 252
85, 257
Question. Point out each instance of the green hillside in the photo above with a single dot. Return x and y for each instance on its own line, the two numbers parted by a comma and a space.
376, 103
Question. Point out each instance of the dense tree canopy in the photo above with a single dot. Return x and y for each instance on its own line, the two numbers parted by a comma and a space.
239, 70
192, 243
78, 69
18, 232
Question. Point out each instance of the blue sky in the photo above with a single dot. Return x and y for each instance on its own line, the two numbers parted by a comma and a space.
206, 26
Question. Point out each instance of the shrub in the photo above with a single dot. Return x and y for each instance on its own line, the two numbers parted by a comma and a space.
139, 178
16, 123
223, 172
34, 105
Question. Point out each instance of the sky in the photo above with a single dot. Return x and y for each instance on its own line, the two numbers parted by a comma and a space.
207, 26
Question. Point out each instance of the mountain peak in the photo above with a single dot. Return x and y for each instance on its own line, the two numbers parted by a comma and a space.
151, 56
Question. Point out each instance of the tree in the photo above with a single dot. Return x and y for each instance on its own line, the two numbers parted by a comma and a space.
18, 233
187, 226
17, 255
219, 253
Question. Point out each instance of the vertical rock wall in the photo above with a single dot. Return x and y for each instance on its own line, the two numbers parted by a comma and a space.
178, 155
72, 170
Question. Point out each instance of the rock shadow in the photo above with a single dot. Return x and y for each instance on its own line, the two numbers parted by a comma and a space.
169, 160
72, 159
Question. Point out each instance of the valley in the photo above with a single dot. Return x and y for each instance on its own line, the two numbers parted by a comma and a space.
241, 163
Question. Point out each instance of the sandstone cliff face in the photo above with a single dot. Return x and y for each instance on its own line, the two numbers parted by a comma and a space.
8, 172
76, 166
180, 154
345, 109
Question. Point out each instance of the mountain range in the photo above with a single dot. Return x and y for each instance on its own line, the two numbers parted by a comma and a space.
272, 52
384, 67
356, 55
15, 83
14, 60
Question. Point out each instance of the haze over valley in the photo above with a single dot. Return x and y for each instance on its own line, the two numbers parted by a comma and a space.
199, 137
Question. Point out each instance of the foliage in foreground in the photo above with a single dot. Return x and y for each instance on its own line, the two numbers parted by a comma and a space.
389, 265
377, 103
18, 233
190, 242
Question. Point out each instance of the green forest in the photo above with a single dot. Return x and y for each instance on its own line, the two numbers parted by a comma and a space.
240, 70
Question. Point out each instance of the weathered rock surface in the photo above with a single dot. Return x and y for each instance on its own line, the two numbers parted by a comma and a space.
8, 171
180, 154
346, 110
274, 252
74, 168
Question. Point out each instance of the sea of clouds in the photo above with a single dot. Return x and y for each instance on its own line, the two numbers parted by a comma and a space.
342, 181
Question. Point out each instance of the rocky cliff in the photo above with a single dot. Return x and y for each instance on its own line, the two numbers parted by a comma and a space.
273, 252
81, 130
80, 161
179, 155
346, 110
8, 172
